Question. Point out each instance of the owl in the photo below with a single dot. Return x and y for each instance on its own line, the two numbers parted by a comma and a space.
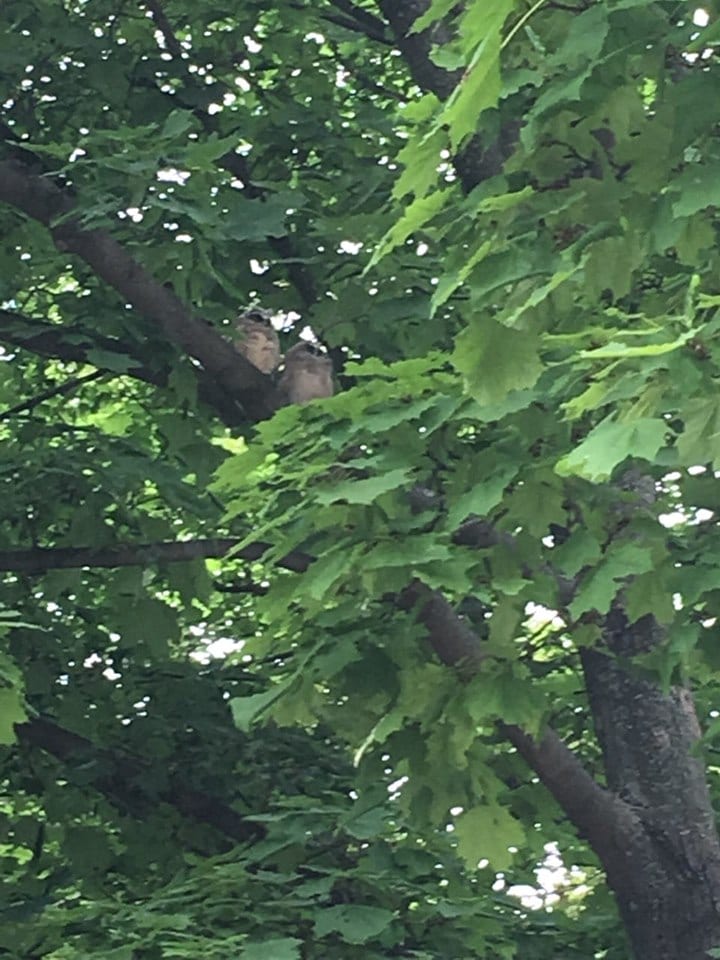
307, 374
258, 340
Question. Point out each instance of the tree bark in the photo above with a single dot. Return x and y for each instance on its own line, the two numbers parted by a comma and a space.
669, 895
39, 560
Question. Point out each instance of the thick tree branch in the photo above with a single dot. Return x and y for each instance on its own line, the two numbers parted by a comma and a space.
451, 637
606, 820
70, 345
41, 200
122, 779
40, 559
476, 533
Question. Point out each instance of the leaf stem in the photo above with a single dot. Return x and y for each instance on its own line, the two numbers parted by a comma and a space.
521, 23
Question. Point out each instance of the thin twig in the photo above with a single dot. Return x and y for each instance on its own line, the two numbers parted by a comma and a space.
58, 391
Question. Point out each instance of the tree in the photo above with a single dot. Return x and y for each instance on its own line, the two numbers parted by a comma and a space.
485, 568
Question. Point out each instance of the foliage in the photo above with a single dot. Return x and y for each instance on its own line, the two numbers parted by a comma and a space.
520, 349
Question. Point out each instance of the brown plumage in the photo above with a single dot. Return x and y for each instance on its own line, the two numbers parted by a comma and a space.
307, 375
258, 340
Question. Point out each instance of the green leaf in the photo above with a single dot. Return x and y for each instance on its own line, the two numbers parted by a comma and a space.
177, 123
436, 11
419, 550
494, 359
482, 497
353, 923
696, 188
479, 87
539, 295
416, 215
599, 588
106, 360
202, 153
246, 710
608, 444
478, 90
650, 594
126, 952
12, 711
574, 60
610, 263
155, 623
699, 441
328, 570
504, 201
581, 550
257, 219
364, 491
420, 158
486, 832
275, 948
450, 282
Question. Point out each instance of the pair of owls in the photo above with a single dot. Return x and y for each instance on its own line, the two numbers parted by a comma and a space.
307, 374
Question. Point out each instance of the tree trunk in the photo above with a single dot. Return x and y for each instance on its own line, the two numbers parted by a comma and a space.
667, 880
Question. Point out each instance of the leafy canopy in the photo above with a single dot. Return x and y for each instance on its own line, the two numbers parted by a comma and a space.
514, 345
